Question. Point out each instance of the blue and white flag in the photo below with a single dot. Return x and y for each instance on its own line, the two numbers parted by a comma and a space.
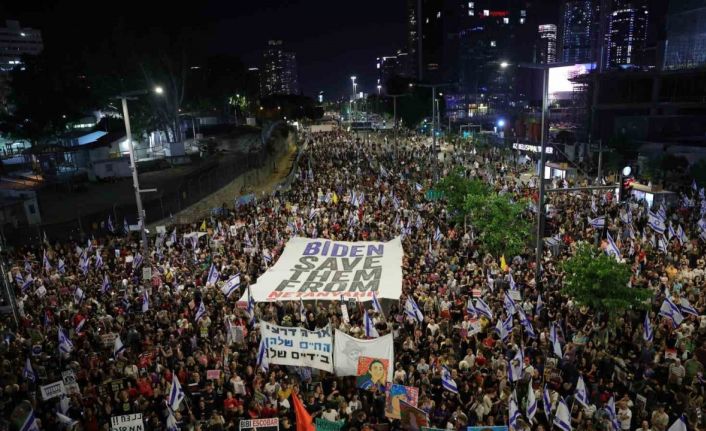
251, 308
45, 260
30, 423
662, 212
28, 372
686, 307
562, 418
447, 382
302, 311
27, 283
670, 310
647, 332
78, 295
515, 366
547, 402
19, 279
526, 324
395, 202
681, 235
612, 415
176, 394
212, 275
200, 312
470, 309
509, 304
437, 235
597, 222
118, 346
137, 262
501, 327
412, 310
540, 305
231, 285
655, 222
111, 228
61, 266
511, 280
531, 402
145, 301
514, 413
671, 233
370, 330
612, 248
126, 227
262, 361
580, 394
418, 187
65, 344
106, 284
662, 242
679, 424
554, 339
482, 308
99, 260
172, 422
267, 257
376, 304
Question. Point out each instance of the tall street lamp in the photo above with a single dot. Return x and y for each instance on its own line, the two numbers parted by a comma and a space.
433, 120
132, 95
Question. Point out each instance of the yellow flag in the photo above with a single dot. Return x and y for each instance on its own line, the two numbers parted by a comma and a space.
203, 226
334, 198
503, 264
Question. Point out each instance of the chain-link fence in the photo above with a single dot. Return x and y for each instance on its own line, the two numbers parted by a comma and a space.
192, 188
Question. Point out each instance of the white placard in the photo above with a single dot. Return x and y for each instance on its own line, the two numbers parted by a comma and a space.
127, 423
161, 229
298, 346
70, 383
349, 349
52, 390
320, 269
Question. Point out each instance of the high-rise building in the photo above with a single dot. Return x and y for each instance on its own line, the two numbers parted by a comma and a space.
686, 34
547, 43
389, 66
432, 46
578, 31
16, 41
279, 70
627, 32
413, 59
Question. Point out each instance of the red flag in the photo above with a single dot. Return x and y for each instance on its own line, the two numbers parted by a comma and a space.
304, 420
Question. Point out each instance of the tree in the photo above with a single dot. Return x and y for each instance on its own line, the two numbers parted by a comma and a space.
456, 187
499, 223
598, 281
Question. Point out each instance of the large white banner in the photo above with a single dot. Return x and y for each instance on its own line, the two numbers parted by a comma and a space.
320, 269
298, 346
131, 422
349, 349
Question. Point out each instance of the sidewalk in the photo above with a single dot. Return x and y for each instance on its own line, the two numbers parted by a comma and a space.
249, 182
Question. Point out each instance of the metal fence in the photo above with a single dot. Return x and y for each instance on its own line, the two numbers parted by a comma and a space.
197, 185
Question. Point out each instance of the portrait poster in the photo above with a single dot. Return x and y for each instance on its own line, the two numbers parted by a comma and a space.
397, 393
372, 373
412, 418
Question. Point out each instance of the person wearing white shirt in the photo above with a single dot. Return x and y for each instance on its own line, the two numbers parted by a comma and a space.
624, 416
330, 414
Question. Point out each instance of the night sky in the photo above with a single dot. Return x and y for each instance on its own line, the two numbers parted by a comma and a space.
333, 39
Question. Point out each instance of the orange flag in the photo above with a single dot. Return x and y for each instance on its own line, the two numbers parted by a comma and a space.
304, 420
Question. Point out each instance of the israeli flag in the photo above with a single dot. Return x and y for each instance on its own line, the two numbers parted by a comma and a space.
437, 235
662, 244
45, 259
176, 394
556, 345
418, 187
470, 309
687, 308
670, 310
117, 346
502, 329
251, 308
61, 266
612, 415
99, 260
262, 361
514, 414
509, 304
106, 284
515, 366
447, 382
126, 227
171, 422
562, 419
212, 275
370, 330
19, 279
267, 257
526, 324
376, 304
531, 402
395, 202
597, 222
580, 394
681, 235
482, 308
662, 212
28, 372
413, 311
138, 261
231, 285
540, 305
27, 283
65, 344
613, 249
655, 222
111, 228
547, 402
647, 332
78, 295
671, 233
145, 301
200, 312
678, 425
511, 280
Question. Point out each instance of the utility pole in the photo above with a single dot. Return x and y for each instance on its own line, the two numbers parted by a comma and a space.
433, 120
600, 159
394, 113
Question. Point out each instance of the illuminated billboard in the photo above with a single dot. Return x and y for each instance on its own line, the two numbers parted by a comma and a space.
560, 86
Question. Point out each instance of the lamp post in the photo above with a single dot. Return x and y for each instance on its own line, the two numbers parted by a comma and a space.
433, 119
133, 165
353, 78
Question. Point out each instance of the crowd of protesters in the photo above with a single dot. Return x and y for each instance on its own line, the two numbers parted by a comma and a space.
94, 292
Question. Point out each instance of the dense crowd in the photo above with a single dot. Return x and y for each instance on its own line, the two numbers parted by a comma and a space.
94, 292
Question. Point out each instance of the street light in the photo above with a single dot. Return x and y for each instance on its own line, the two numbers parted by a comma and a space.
504, 64
132, 95
501, 123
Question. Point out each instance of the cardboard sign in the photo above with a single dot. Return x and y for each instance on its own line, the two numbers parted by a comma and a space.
412, 418
397, 393
127, 423
269, 424
213, 374
372, 373
52, 390
70, 383
108, 339
515, 295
